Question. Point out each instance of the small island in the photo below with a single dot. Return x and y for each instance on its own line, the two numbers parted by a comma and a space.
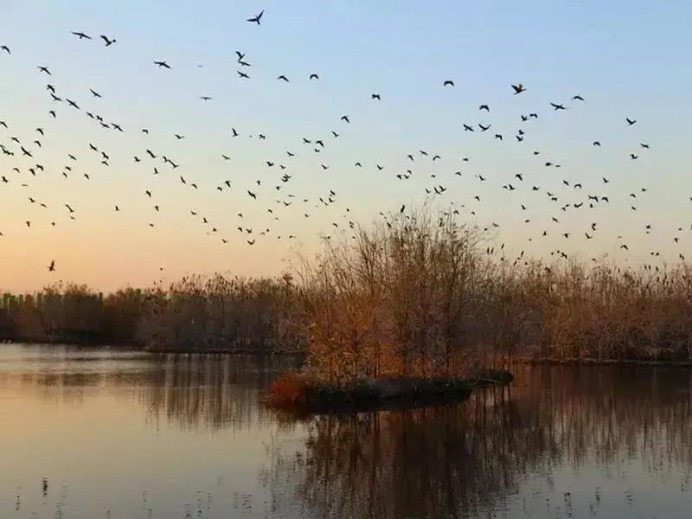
384, 320
302, 394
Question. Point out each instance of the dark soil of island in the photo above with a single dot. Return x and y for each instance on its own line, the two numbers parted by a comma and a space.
301, 395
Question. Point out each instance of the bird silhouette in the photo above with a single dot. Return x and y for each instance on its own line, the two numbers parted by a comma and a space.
257, 18
332, 149
518, 88
108, 42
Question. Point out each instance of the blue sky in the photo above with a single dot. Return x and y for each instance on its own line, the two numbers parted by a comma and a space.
627, 59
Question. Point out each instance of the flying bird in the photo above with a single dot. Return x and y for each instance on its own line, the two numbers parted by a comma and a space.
518, 88
257, 18
107, 40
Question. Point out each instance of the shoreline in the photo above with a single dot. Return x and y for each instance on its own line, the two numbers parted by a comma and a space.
169, 351
521, 360
248, 351
603, 362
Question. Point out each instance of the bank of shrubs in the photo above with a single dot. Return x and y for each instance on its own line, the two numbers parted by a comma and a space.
222, 314
419, 295
414, 295
72, 314
194, 314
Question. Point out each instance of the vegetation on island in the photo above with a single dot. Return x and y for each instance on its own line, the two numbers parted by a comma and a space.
414, 295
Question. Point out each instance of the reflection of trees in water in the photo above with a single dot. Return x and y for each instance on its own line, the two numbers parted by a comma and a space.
457, 460
189, 391
210, 391
68, 373
615, 413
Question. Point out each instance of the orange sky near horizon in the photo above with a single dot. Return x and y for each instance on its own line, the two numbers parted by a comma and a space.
403, 54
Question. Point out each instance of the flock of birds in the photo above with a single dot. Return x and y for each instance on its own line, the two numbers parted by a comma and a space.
25, 167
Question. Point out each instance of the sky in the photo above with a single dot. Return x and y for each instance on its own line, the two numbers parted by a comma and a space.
625, 58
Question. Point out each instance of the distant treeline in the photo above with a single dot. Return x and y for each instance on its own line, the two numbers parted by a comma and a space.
417, 295
191, 315
72, 314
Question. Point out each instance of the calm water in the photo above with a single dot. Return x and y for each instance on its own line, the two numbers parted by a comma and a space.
120, 435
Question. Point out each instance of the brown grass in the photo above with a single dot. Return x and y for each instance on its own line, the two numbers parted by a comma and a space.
418, 295
414, 296
290, 388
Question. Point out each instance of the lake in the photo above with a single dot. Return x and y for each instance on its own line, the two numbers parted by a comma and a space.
88, 434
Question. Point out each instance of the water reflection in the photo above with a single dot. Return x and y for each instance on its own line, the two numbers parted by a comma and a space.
475, 458
560, 442
188, 391
210, 391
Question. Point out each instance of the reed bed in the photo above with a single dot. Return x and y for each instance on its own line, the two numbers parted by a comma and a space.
415, 295
420, 295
